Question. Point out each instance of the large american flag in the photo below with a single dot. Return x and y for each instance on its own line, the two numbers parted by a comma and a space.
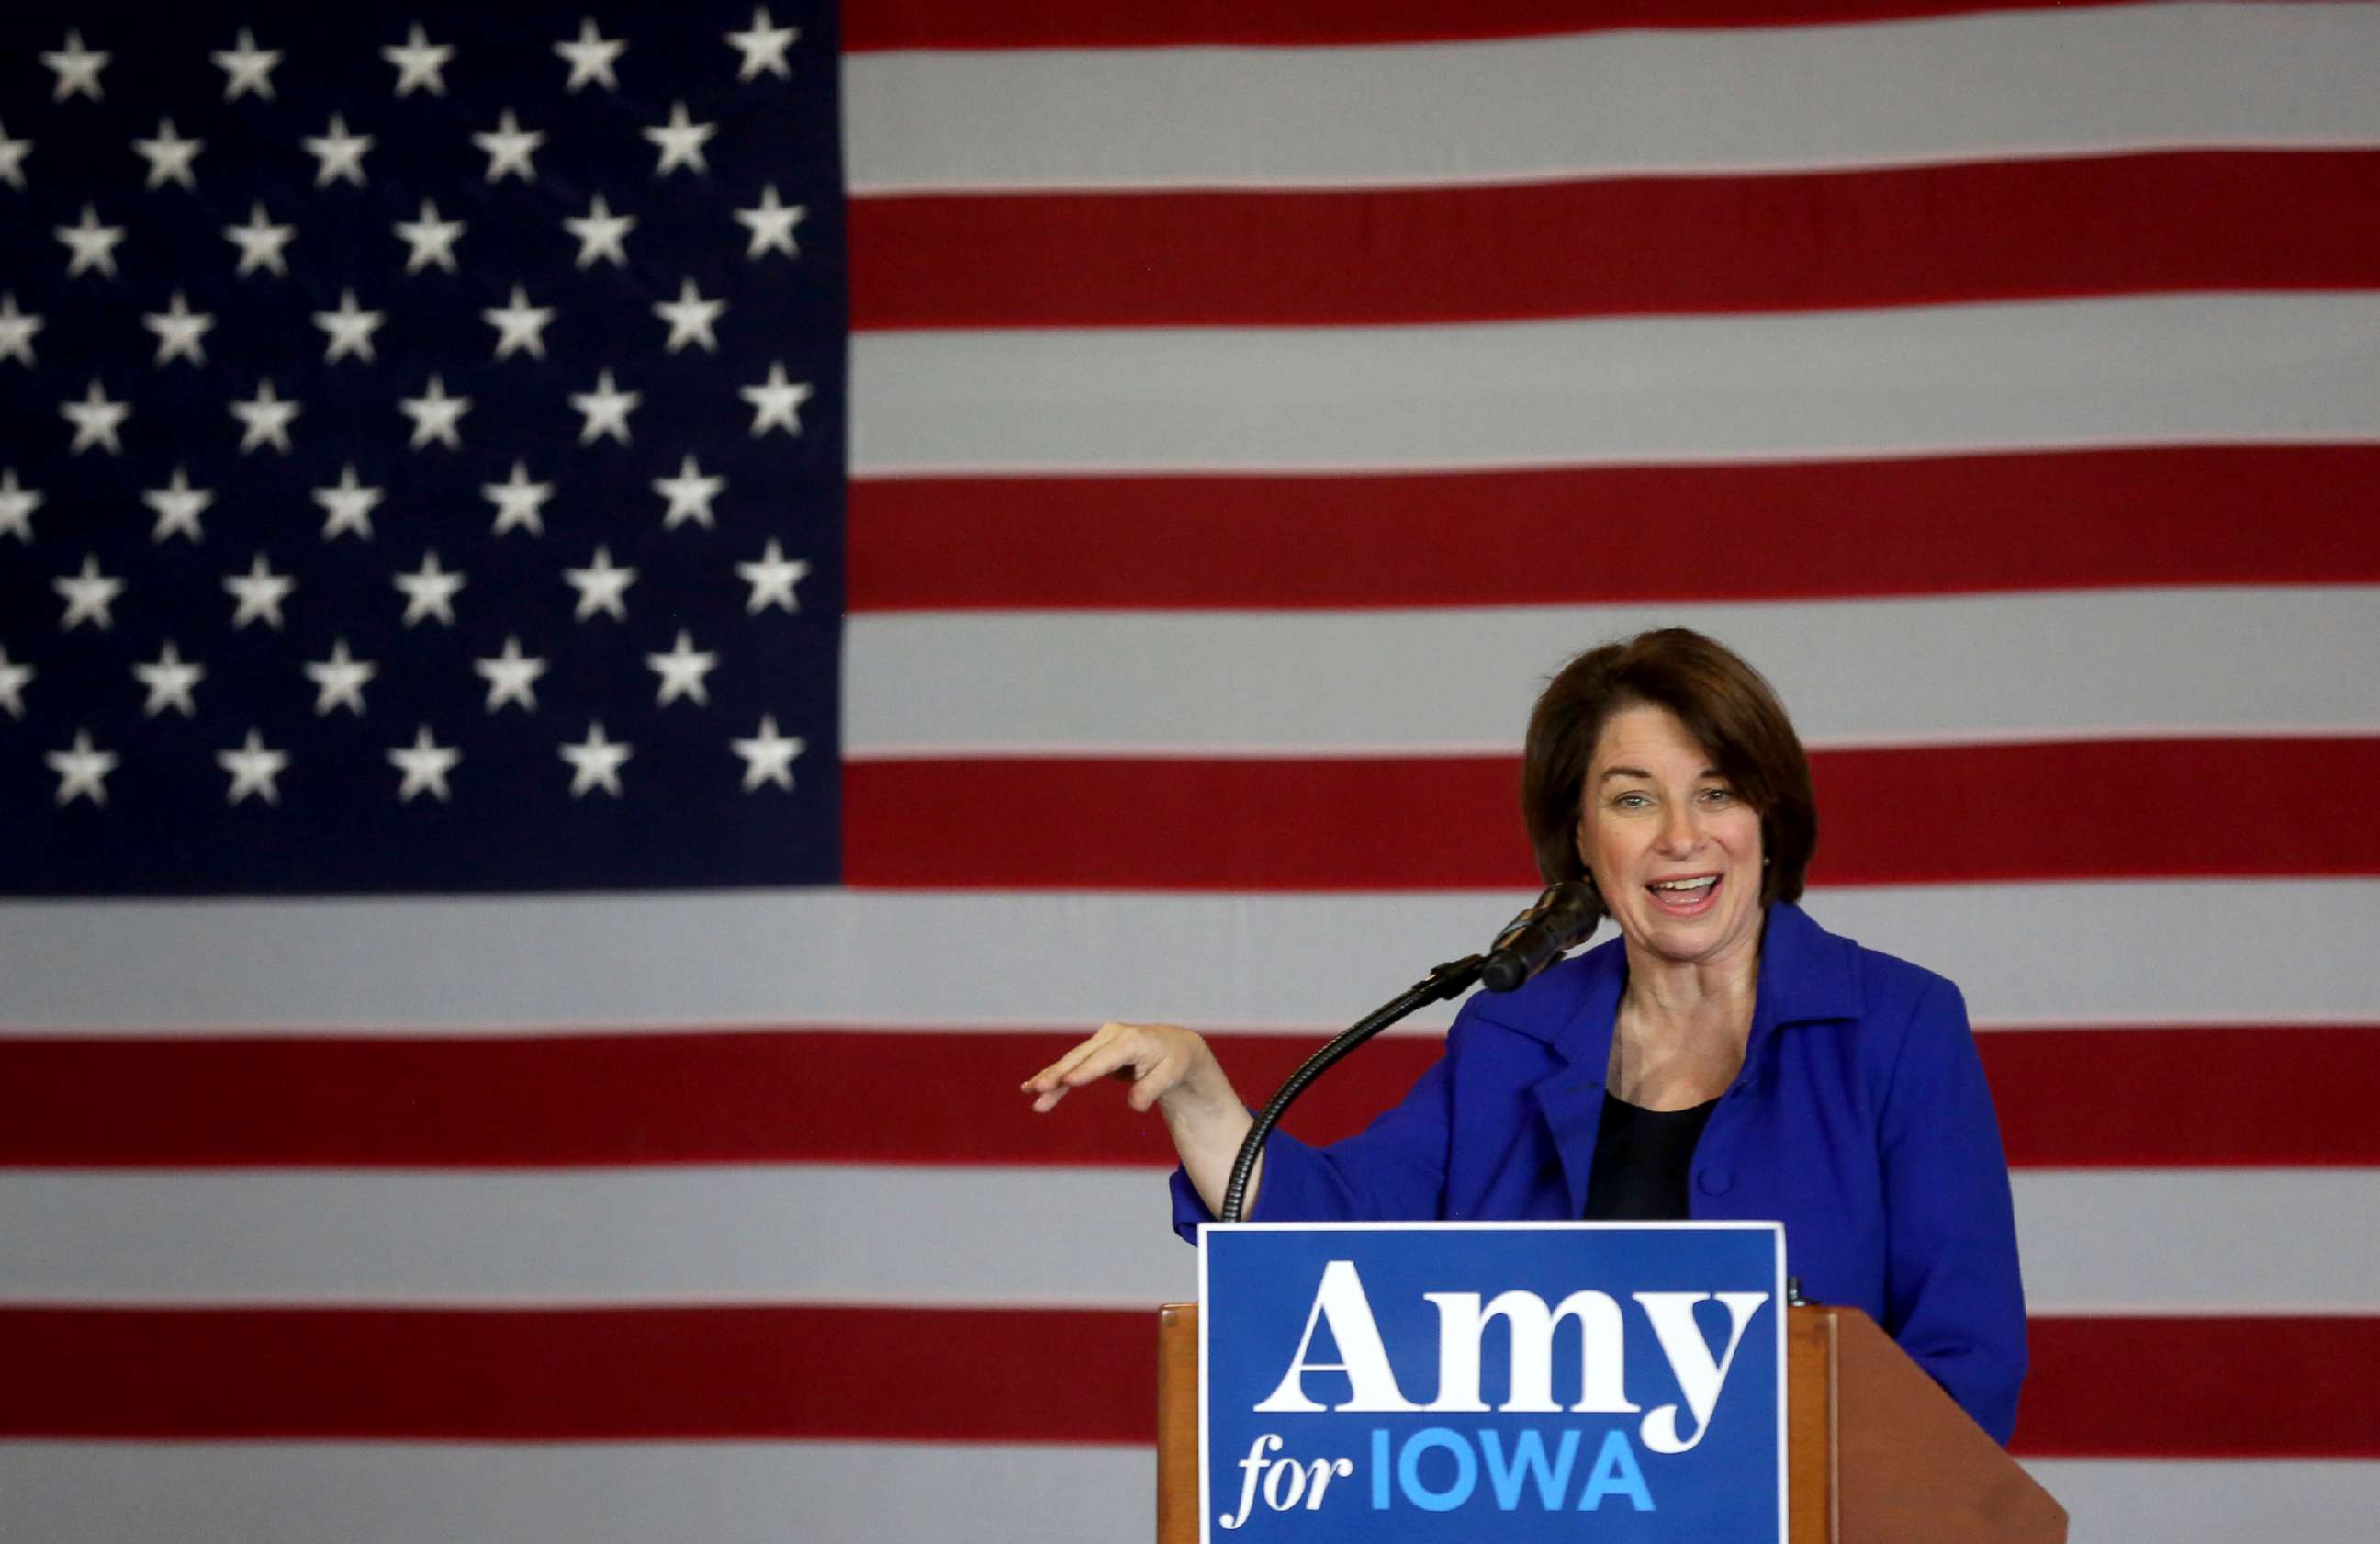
1102, 483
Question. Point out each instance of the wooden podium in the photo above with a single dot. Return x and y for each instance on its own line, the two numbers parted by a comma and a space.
1875, 1451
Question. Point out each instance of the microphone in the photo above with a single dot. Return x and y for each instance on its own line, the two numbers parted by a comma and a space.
1564, 916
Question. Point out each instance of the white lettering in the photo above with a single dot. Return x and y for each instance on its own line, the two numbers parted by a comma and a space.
1672, 1316
1340, 1300
1602, 1349
1251, 1466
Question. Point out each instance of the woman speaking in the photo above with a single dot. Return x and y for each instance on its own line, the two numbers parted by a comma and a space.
1725, 1058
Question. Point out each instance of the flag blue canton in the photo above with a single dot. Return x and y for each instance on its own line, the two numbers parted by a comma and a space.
421, 448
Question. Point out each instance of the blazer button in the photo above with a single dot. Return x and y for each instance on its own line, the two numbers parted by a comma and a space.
1712, 1182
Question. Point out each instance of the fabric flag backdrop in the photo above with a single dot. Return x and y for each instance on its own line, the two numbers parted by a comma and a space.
532, 1057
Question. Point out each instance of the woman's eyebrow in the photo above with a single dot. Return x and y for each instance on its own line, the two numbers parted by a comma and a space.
1639, 771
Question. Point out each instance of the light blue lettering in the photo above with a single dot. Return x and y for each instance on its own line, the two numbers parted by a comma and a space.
1616, 1474
1379, 1469
1528, 1461
1466, 1470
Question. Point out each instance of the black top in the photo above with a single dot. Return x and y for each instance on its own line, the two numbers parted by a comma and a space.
1642, 1160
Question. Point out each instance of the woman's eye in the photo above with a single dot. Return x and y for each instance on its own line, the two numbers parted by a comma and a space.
1632, 801
1720, 796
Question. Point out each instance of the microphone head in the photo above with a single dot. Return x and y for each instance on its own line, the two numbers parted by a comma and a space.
1561, 918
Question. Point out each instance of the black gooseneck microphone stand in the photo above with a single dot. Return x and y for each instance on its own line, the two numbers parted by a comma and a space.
1450, 979
1565, 915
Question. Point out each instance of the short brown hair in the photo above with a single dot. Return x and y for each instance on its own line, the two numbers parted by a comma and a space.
1724, 703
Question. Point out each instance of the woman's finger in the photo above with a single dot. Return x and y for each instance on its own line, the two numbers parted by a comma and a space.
1110, 1052
1049, 1077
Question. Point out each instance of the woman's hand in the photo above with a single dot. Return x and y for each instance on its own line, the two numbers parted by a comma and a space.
1155, 1059
1172, 1070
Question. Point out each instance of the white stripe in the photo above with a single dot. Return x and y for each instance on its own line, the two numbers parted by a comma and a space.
869, 1493
570, 1493
2093, 665
1822, 385
2229, 952
2200, 1503
2095, 80
2294, 1241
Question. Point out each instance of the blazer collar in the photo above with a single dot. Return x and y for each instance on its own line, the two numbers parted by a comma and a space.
1808, 975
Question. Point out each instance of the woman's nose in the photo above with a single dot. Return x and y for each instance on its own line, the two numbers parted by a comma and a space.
1679, 832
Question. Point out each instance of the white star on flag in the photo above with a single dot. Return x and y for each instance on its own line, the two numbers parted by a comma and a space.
510, 676
253, 768
350, 329
347, 505
89, 244
430, 238
257, 594
768, 756
265, 419
169, 681
12, 158
341, 154
682, 669
681, 141
591, 57
776, 402
435, 415
519, 502
261, 242
88, 595
16, 506
690, 317
520, 325
169, 157
16, 330
772, 580
178, 506
179, 332
509, 147
339, 680
689, 495
595, 761
605, 409
77, 68
772, 224
245, 67
425, 764
429, 590
14, 679
601, 233
418, 63
764, 46
600, 587
82, 771
95, 419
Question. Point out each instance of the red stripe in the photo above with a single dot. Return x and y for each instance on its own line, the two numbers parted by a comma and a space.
881, 24
563, 1375
2170, 1388
2133, 224
2060, 520
1923, 815
778, 1097
2201, 1387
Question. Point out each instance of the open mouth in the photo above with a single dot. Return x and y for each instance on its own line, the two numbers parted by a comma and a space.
1686, 896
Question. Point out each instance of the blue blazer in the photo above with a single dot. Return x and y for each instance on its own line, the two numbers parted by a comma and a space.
1861, 1121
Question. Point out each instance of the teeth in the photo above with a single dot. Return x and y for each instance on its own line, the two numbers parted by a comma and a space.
1702, 883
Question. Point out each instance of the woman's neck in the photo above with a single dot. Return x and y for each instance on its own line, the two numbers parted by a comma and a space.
1683, 1026
1689, 992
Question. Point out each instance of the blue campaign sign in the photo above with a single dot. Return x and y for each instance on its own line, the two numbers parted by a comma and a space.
1486, 1382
